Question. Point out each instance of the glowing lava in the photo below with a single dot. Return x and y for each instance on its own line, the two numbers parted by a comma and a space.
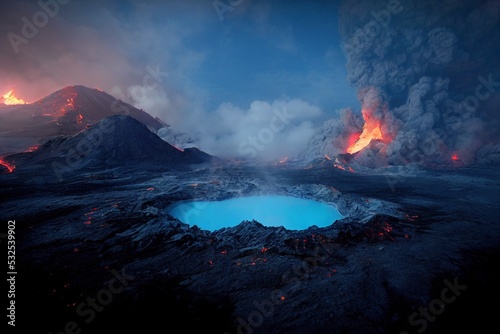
339, 166
57, 106
32, 148
343, 168
371, 131
282, 161
9, 167
455, 157
9, 98
353, 138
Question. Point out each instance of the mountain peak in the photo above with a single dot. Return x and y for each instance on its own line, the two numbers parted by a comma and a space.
81, 105
66, 111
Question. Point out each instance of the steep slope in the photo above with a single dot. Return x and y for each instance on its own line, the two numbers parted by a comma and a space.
64, 112
115, 141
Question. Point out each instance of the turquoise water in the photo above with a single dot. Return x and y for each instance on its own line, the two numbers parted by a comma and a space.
290, 212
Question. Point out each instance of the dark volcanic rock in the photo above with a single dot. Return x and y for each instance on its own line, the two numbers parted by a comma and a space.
115, 141
398, 247
82, 105
64, 112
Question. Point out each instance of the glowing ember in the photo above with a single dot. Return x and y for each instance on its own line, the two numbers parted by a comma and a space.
9, 167
455, 157
32, 148
353, 138
371, 131
58, 106
70, 105
339, 167
343, 168
10, 99
285, 159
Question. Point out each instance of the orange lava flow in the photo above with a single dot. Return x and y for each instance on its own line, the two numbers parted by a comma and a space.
282, 161
353, 138
32, 148
339, 167
371, 131
9, 98
9, 167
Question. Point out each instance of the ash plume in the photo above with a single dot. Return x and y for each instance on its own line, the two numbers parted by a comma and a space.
432, 69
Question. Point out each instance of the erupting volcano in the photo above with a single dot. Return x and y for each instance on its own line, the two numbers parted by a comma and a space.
371, 131
346, 184
10, 99
67, 111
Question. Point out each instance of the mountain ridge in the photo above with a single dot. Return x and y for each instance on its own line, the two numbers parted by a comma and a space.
115, 141
66, 111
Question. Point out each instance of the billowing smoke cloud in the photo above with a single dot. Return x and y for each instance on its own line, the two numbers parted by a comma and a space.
332, 137
50, 57
434, 66
427, 71
143, 54
49, 44
264, 132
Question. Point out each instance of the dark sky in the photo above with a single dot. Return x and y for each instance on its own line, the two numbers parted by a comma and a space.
208, 68
254, 50
221, 71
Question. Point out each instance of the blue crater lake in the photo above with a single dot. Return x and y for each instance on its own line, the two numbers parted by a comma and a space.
290, 212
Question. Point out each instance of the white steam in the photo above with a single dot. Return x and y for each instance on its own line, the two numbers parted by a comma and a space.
263, 132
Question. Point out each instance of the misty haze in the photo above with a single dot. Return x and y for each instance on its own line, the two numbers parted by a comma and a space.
250, 166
